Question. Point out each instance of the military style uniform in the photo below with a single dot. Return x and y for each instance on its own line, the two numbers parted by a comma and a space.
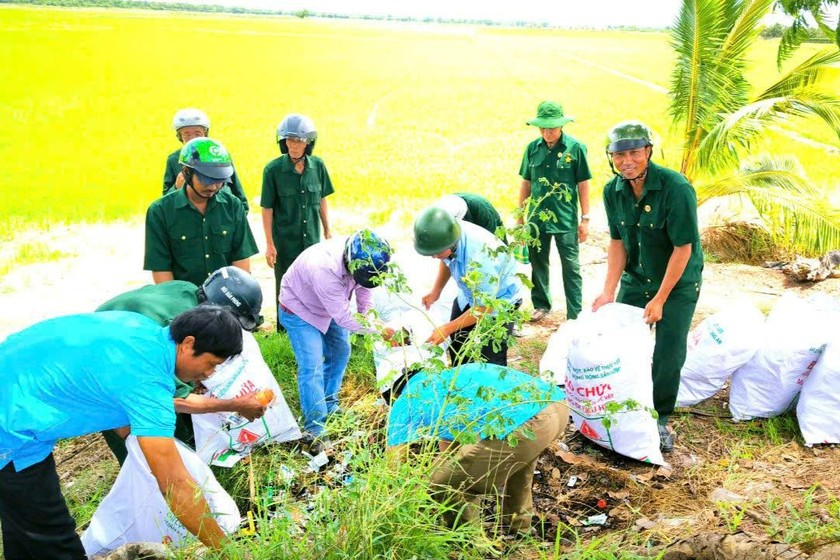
173, 168
663, 218
564, 165
295, 201
481, 212
161, 303
191, 245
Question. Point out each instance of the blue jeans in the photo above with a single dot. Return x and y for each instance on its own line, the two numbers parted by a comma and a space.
321, 360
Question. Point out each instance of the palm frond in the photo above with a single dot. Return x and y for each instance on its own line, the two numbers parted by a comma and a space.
809, 72
755, 182
792, 39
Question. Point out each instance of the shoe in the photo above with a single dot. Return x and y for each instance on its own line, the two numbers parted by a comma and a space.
316, 445
518, 331
666, 439
539, 315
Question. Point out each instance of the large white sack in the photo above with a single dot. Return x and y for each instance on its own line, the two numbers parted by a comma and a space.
135, 510
555, 358
610, 353
820, 399
223, 438
795, 335
718, 346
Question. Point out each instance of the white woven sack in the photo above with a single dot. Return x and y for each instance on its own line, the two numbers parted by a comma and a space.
768, 385
718, 346
224, 438
609, 361
820, 399
135, 510
555, 358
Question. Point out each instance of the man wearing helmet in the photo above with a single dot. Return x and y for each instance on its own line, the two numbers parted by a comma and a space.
200, 228
315, 311
555, 176
654, 257
188, 124
227, 287
294, 190
467, 251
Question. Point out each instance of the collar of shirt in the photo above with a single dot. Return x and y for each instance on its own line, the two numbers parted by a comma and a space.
561, 144
183, 201
286, 165
653, 181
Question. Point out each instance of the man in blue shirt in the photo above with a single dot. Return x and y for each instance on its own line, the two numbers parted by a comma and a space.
79, 374
485, 275
492, 422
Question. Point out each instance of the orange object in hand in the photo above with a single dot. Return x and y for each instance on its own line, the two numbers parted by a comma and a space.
264, 396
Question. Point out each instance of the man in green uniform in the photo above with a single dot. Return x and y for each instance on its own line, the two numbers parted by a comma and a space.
228, 287
472, 208
555, 177
654, 253
200, 228
188, 124
294, 190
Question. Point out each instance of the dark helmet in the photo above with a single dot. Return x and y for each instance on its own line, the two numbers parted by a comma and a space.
234, 288
208, 157
435, 230
628, 135
366, 256
297, 126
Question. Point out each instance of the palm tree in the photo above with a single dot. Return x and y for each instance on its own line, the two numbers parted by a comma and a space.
721, 123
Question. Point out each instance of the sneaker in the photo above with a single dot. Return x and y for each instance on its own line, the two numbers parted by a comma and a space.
666, 439
538, 315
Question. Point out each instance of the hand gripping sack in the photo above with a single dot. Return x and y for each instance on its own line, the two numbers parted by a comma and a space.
609, 361
820, 399
718, 346
555, 359
223, 438
795, 335
136, 511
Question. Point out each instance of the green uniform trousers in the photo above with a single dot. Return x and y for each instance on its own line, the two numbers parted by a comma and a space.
569, 250
671, 337
183, 432
494, 467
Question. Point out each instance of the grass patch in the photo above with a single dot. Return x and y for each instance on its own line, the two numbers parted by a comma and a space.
32, 252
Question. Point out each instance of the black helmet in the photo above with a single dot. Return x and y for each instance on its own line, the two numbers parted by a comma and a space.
234, 288
297, 126
366, 256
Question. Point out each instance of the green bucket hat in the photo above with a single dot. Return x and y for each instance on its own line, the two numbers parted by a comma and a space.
550, 115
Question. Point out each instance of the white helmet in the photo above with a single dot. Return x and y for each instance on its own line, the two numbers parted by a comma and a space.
190, 117
454, 205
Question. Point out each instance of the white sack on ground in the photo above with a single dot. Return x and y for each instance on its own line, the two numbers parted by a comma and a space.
718, 346
224, 438
555, 358
820, 399
795, 334
135, 510
609, 361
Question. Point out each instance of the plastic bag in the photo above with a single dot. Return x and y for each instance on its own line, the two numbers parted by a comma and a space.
223, 438
820, 399
555, 359
717, 347
795, 335
135, 510
609, 364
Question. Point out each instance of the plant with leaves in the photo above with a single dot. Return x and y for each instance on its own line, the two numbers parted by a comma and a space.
799, 30
721, 122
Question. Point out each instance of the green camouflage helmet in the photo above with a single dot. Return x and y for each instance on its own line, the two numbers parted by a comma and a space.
628, 135
208, 157
435, 230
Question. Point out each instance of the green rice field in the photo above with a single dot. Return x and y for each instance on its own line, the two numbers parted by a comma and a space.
405, 112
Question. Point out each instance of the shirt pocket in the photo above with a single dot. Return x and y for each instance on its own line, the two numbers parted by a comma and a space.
221, 239
652, 229
285, 210
185, 243
311, 187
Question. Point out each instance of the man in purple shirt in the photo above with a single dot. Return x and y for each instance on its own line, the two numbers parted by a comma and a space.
315, 309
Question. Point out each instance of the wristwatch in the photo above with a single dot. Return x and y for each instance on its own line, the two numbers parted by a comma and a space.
584, 217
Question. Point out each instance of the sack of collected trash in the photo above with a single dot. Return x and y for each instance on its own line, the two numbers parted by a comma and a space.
820, 398
609, 387
556, 356
795, 334
136, 511
223, 438
718, 346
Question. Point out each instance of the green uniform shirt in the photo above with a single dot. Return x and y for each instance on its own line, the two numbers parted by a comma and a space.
565, 165
179, 239
161, 303
173, 168
663, 218
481, 212
296, 204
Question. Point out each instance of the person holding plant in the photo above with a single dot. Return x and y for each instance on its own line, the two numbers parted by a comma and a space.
654, 258
555, 179
490, 424
486, 277
188, 124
